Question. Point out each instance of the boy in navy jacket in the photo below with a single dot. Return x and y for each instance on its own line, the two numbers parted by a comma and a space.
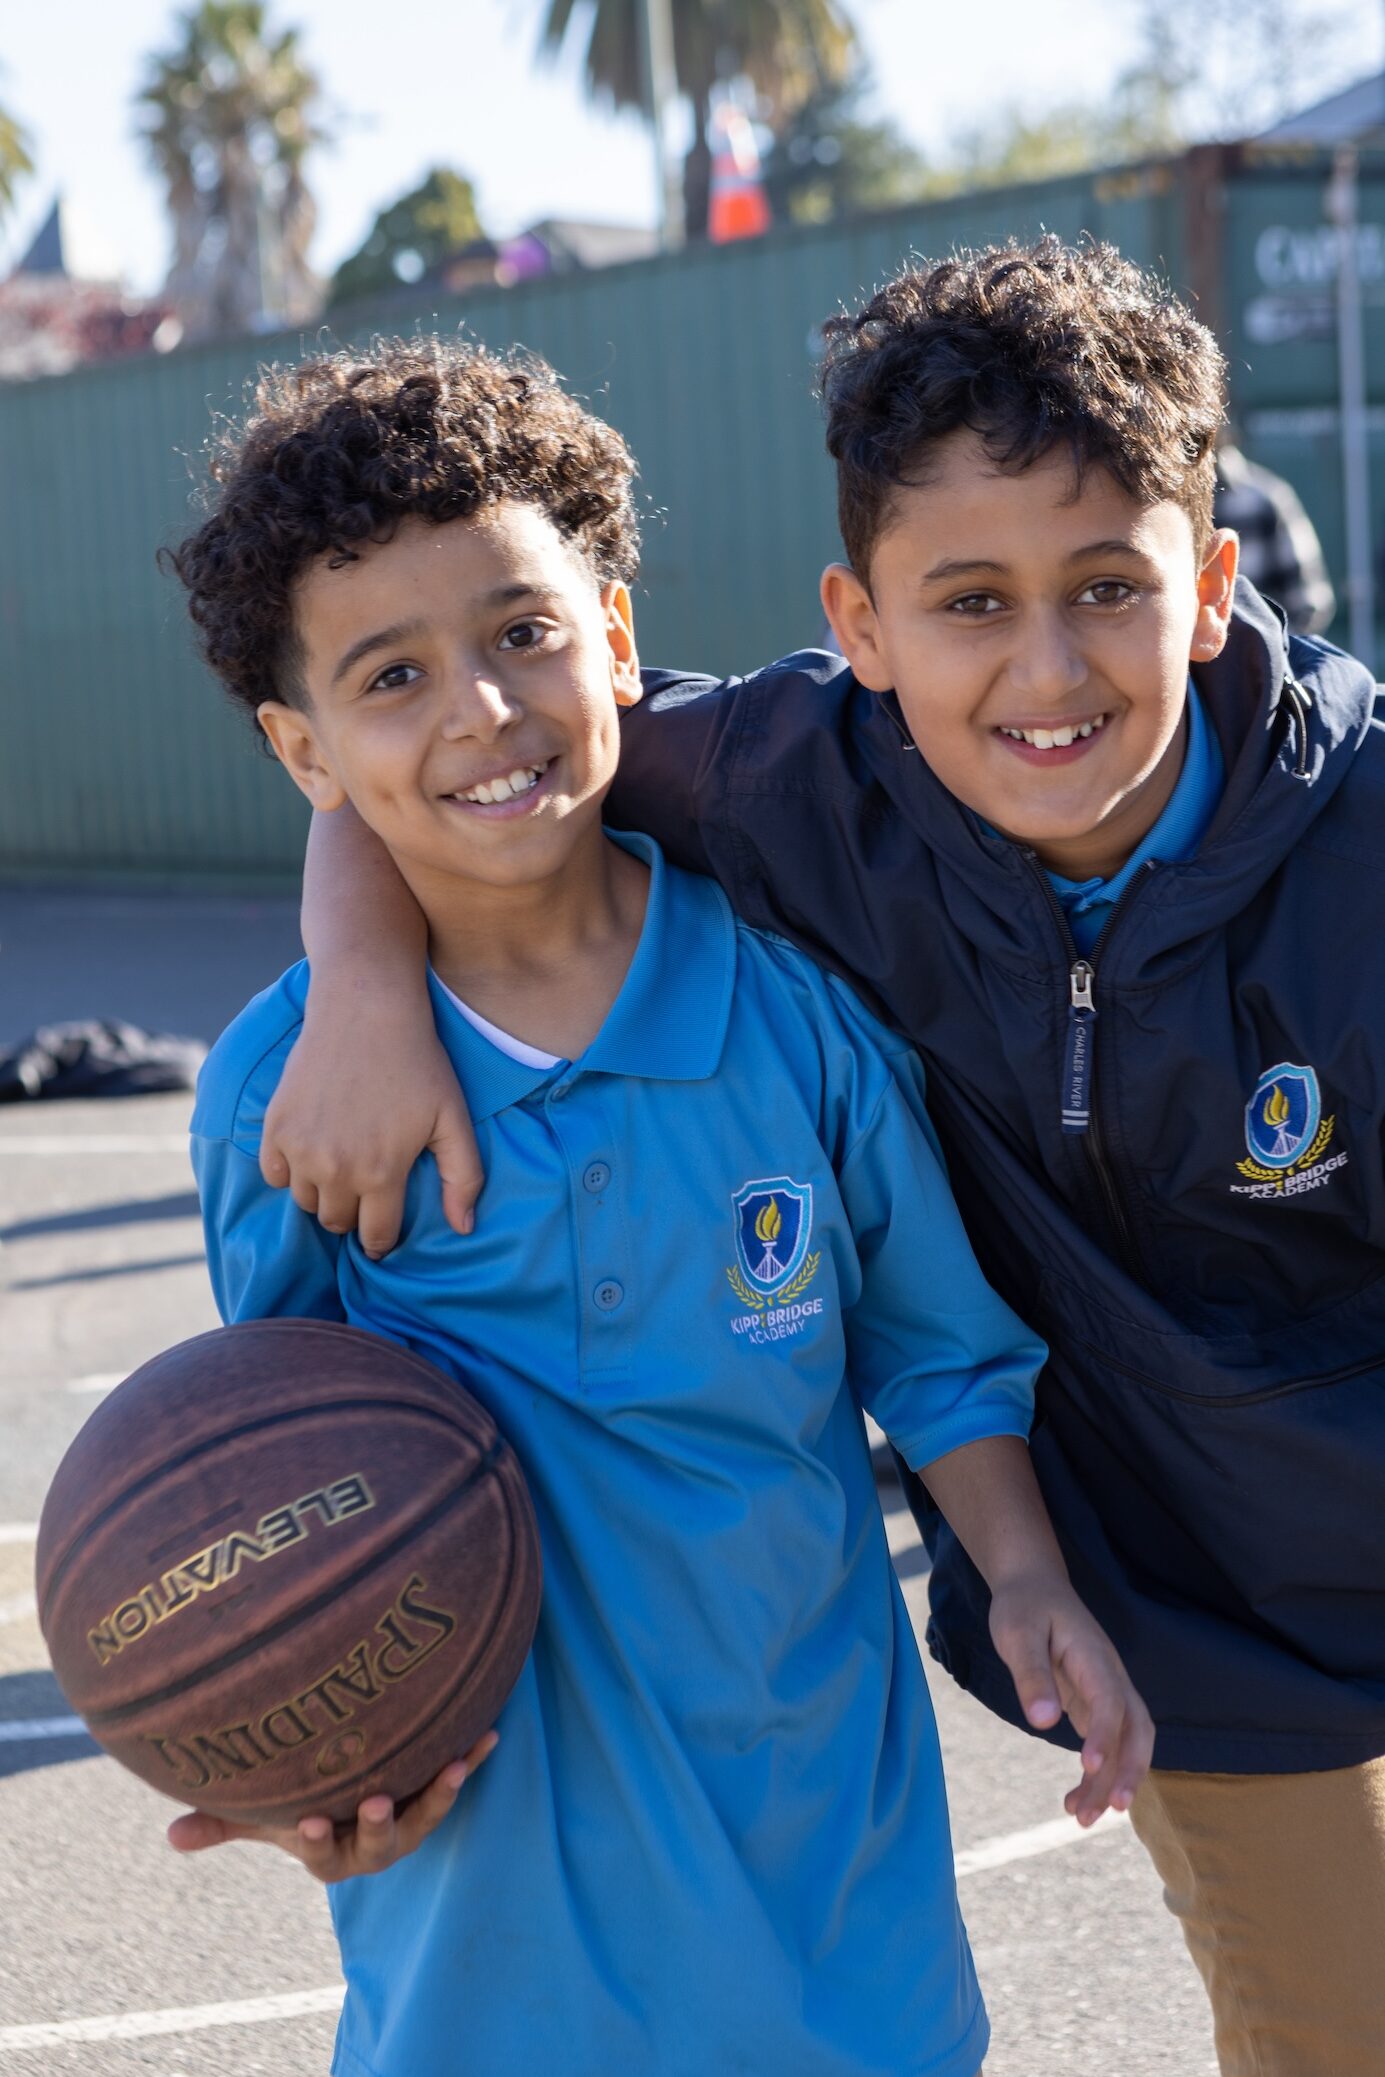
1082, 820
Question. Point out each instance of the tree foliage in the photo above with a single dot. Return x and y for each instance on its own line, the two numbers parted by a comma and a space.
15, 161
229, 122
410, 236
832, 157
1195, 76
789, 49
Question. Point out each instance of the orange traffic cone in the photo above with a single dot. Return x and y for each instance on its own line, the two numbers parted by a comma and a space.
738, 206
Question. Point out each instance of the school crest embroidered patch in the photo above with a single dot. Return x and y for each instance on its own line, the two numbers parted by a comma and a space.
1287, 1136
772, 1220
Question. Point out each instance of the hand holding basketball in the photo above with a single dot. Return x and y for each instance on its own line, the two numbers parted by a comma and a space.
381, 1835
287, 1568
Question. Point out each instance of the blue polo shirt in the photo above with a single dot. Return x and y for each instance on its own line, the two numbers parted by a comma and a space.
714, 1835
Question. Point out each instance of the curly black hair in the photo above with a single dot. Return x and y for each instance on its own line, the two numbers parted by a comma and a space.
336, 450
1032, 347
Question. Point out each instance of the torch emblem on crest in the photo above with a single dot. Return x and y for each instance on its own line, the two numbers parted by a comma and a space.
1286, 1132
774, 1226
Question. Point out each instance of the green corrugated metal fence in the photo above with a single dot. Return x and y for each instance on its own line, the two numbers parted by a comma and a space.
117, 758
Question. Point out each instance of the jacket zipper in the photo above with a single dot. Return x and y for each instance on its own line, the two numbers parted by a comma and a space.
1080, 1113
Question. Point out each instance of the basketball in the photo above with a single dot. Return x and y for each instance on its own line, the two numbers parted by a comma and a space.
285, 1566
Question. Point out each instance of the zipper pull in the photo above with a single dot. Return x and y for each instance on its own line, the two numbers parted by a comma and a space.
1077, 1060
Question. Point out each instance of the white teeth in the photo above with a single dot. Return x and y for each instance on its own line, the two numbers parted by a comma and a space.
521, 780
1054, 738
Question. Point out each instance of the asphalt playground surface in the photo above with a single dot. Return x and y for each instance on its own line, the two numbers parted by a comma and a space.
122, 1957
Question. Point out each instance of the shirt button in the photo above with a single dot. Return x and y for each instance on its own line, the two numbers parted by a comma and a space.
595, 1177
609, 1294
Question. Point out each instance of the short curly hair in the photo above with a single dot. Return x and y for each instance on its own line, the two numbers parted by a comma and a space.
335, 451
1032, 347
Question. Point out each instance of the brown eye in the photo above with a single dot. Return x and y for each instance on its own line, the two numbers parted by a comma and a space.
394, 677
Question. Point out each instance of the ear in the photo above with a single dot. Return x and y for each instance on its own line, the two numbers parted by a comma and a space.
1216, 585
620, 640
851, 612
296, 748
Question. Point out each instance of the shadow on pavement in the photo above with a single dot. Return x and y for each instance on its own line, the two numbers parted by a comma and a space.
91, 1276
36, 1699
137, 1211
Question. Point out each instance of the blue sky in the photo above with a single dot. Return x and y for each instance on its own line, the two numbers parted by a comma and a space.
454, 82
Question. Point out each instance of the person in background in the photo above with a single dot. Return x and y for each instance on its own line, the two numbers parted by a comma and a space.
1281, 554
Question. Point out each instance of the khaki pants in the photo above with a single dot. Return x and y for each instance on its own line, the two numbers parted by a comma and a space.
1278, 1881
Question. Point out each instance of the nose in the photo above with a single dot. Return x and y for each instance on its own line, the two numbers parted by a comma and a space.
478, 706
1048, 665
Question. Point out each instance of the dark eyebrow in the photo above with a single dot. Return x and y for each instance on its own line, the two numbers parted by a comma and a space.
1112, 547
980, 567
383, 638
963, 569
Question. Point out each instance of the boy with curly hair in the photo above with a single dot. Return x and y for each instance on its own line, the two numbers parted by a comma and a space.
1118, 909
713, 1835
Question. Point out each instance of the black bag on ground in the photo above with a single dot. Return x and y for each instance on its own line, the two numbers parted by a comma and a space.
97, 1058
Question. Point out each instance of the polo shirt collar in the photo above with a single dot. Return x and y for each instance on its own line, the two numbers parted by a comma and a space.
668, 1022
491, 1080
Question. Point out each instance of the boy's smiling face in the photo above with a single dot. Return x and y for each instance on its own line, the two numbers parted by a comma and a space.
462, 684
1010, 606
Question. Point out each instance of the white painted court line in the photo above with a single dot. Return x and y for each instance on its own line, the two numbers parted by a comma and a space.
96, 1381
95, 1143
1045, 1838
188, 2019
33, 1730
17, 1609
18, 1532
184, 2019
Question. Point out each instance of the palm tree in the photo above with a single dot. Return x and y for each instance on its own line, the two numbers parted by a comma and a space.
788, 48
229, 125
14, 159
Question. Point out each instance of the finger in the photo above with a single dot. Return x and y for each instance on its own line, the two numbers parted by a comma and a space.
1026, 1653
1105, 1724
481, 1752
274, 1165
380, 1216
427, 1811
376, 1843
196, 1830
1101, 1755
338, 1207
304, 1195
1095, 1690
1136, 1753
453, 1147
317, 1846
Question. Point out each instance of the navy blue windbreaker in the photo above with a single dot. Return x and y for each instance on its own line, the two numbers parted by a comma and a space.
1207, 1257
